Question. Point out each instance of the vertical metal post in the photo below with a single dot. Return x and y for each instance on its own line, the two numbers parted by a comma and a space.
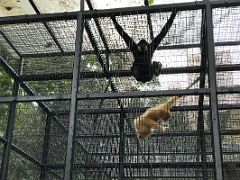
75, 84
217, 149
10, 127
121, 147
149, 20
45, 148
201, 144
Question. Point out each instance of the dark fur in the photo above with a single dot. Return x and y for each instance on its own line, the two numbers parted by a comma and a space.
142, 68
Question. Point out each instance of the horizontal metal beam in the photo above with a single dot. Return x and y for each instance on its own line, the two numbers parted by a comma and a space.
115, 12
142, 109
160, 134
121, 73
148, 153
158, 8
190, 165
108, 95
51, 54
38, 18
124, 73
111, 51
144, 9
117, 95
130, 177
231, 90
224, 3
34, 98
141, 94
179, 154
98, 13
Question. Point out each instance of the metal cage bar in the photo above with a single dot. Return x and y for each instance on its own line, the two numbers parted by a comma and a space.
10, 127
75, 84
217, 148
116, 12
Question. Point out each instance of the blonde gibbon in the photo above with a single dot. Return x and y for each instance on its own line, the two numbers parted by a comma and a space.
149, 120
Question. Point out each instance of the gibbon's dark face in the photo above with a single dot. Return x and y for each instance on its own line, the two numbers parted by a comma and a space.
142, 45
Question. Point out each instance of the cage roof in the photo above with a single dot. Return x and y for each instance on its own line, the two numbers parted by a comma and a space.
59, 36
23, 7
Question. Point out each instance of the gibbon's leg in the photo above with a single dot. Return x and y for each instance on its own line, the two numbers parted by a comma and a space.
142, 131
156, 41
128, 40
153, 124
143, 126
162, 110
149, 119
156, 68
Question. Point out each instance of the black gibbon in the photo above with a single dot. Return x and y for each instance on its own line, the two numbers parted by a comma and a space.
149, 119
143, 68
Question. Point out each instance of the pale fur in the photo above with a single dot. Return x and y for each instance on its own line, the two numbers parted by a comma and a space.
149, 119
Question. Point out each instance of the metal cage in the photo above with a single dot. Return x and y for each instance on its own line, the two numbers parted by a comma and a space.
68, 108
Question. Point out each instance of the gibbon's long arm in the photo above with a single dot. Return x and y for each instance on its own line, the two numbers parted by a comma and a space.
149, 119
128, 40
156, 41
146, 3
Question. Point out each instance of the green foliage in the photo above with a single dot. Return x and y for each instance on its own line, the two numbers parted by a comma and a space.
6, 83
90, 63
47, 65
28, 135
21, 169
4, 52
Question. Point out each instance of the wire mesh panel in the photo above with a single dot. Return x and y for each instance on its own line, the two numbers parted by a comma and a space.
29, 130
224, 31
21, 168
